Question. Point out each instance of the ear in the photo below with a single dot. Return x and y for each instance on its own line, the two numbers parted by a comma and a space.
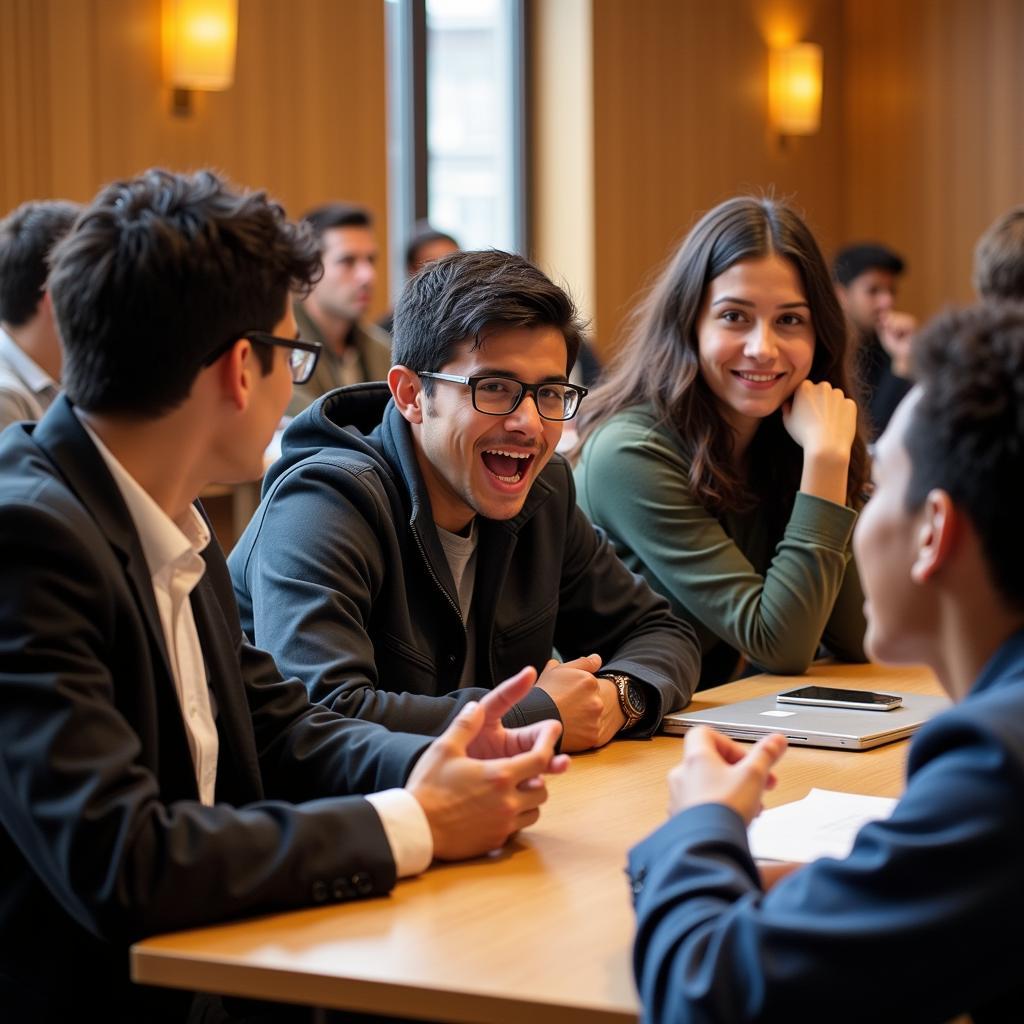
842, 294
407, 391
235, 371
940, 525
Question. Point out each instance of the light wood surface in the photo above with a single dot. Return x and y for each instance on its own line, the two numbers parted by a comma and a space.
540, 932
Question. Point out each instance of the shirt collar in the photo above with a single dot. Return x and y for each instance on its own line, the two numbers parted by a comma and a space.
25, 366
164, 540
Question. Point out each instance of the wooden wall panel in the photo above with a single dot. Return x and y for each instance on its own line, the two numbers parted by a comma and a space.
82, 102
680, 123
934, 132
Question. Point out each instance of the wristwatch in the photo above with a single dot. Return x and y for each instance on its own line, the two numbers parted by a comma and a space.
632, 699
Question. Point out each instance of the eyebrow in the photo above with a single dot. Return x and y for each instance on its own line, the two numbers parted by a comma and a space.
490, 371
746, 302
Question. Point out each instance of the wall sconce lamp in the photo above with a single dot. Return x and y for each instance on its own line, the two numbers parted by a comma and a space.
794, 89
198, 47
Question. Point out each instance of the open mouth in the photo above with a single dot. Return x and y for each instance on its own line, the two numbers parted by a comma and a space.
508, 466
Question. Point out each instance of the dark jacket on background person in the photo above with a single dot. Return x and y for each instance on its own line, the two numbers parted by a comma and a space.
103, 839
342, 576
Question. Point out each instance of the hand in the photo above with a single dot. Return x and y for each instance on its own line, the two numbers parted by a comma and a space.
494, 740
718, 770
589, 706
896, 333
472, 805
823, 421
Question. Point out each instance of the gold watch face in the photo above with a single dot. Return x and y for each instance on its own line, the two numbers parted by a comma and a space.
636, 699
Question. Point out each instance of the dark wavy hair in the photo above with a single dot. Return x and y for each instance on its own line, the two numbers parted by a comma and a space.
965, 434
159, 271
658, 364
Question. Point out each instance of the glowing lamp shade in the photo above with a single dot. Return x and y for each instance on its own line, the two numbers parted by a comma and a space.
794, 92
199, 43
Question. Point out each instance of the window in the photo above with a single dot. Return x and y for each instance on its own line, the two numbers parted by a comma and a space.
457, 109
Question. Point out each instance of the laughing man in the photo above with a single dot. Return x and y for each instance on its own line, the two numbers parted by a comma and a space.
419, 539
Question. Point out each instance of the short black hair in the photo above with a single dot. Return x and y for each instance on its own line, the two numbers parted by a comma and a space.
424, 234
460, 296
27, 235
160, 271
337, 215
965, 434
999, 259
853, 260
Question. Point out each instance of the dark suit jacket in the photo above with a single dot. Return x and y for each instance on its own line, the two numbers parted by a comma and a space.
102, 837
906, 928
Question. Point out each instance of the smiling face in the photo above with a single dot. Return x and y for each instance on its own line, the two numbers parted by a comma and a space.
476, 464
755, 339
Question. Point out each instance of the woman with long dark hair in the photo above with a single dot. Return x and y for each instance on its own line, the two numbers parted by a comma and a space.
721, 452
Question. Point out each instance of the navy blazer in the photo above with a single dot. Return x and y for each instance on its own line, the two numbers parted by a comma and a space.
102, 836
917, 924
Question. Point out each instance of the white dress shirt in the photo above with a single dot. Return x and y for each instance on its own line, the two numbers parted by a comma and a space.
26, 389
172, 552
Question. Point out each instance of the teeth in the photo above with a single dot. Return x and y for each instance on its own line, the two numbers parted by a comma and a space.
511, 455
510, 479
758, 378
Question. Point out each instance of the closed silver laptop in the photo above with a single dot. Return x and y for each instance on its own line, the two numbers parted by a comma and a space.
803, 725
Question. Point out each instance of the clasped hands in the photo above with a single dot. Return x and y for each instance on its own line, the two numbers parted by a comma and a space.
717, 770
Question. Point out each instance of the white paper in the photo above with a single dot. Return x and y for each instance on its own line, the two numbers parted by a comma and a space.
823, 824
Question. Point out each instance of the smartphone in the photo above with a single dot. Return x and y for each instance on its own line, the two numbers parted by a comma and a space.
831, 697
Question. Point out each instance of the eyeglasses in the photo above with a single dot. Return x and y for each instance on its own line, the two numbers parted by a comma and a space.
499, 396
302, 355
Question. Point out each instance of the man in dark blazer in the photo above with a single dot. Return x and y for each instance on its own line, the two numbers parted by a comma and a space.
156, 772
905, 927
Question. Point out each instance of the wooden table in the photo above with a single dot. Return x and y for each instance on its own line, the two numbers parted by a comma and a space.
540, 932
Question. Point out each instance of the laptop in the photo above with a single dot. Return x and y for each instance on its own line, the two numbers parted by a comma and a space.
804, 725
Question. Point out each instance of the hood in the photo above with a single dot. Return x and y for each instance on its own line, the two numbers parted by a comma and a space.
347, 418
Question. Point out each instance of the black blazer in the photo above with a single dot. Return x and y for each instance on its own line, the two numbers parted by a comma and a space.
102, 837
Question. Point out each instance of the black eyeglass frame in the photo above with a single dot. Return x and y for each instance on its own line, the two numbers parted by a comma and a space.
264, 338
524, 390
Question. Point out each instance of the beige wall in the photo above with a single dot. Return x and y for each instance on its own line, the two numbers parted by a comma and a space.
921, 146
933, 139
680, 100
82, 102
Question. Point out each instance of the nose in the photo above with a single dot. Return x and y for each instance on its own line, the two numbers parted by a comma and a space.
761, 342
525, 418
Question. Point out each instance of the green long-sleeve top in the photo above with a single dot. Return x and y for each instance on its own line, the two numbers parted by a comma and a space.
745, 589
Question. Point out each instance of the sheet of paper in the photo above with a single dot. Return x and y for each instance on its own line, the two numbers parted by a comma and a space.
823, 824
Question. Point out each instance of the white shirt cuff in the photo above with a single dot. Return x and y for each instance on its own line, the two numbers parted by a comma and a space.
407, 830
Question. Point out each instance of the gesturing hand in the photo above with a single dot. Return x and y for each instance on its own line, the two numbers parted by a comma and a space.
474, 805
718, 770
494, 740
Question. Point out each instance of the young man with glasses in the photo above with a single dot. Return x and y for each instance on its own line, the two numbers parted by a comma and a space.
157, 771
420, 538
